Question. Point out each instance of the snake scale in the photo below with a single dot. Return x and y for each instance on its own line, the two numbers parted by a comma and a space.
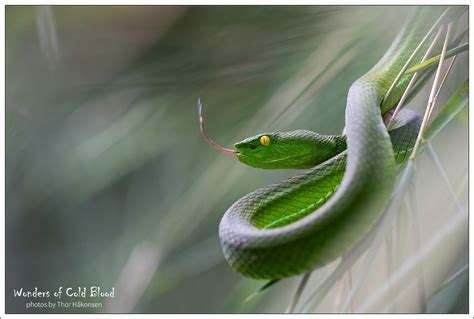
314, 217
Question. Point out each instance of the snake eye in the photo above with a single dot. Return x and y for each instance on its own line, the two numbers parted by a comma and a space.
265, 140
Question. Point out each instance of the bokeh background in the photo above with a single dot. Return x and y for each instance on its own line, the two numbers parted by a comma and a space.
109, 183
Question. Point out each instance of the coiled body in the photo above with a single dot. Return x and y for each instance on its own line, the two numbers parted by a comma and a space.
312, 218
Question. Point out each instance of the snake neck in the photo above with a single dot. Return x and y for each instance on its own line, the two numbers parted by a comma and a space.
318, 148
324, 148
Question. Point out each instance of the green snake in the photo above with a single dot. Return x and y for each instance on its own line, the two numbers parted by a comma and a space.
316, 216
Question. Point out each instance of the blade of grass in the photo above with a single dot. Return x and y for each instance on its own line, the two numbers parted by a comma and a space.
435, 60
450, 236
299, 291
263, 288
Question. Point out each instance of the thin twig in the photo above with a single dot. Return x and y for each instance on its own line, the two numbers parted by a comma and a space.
431, 101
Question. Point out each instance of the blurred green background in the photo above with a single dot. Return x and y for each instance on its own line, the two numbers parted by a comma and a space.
108, 181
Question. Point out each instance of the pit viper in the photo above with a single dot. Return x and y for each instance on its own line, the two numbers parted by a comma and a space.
315, 216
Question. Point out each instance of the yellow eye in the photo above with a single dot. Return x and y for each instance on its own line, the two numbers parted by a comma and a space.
265, 140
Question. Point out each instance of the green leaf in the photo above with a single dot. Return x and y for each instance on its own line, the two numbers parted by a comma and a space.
452, 107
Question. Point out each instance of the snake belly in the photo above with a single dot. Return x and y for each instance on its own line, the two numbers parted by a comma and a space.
323, 212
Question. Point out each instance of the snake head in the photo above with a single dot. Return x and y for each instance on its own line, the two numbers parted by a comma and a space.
287, 150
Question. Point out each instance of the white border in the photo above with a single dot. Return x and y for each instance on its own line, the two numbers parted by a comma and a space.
189, 2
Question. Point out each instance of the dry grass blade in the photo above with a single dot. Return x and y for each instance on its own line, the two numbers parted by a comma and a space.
414, 78
442, 83
412, 56
431, 100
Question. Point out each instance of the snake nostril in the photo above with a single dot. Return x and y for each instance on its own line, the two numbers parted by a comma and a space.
252, 147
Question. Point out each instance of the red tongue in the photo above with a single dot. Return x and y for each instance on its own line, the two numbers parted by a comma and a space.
206, 137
